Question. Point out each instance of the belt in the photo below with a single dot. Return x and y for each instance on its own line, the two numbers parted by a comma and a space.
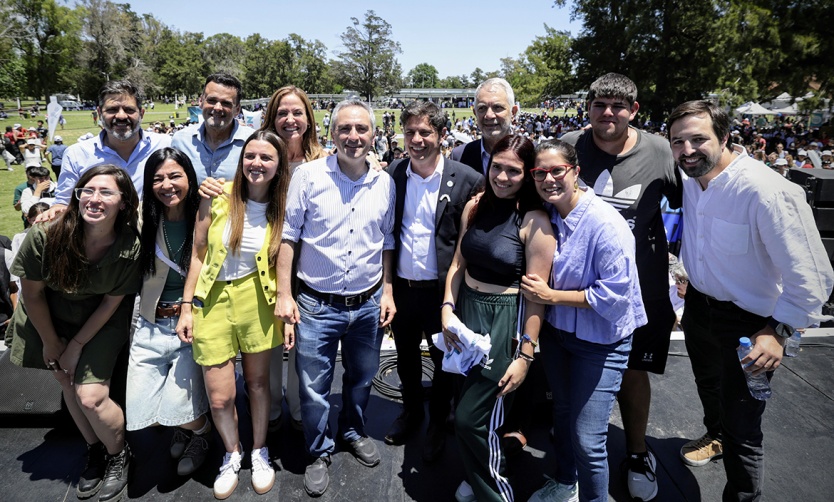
716, 304
167, 310
347, 301
432, 283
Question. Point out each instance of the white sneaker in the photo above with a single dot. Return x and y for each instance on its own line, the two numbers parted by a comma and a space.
263, 475
642, 482
553, 491
464, 493
226, 482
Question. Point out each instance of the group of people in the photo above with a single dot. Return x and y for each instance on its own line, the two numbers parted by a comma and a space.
257, 242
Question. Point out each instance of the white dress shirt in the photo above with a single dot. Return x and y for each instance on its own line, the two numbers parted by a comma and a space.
418, 258
750, 238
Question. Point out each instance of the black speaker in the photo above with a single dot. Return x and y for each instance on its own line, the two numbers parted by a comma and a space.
27, 391
824, 218
819, 183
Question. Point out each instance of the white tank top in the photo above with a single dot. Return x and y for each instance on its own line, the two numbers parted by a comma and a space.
240, 265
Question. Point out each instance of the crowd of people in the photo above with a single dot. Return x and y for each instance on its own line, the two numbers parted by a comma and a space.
528, 238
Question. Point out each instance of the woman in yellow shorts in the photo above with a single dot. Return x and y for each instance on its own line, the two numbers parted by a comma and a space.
229, 298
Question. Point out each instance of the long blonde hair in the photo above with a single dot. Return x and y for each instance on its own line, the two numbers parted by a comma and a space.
277, 196
309, 141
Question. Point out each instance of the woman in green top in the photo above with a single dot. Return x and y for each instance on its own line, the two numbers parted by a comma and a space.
78, 279
164, 383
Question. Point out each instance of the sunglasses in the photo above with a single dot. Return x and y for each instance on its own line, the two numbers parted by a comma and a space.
557, 172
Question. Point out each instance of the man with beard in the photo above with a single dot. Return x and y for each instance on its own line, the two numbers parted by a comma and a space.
757, 269
214, 146
494, 111
633, 170
122, 142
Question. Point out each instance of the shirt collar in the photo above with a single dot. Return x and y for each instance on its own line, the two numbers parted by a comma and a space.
238, 133
332, 164
576, 214
438, 171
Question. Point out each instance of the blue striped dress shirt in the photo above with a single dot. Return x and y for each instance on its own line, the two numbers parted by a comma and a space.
343, 226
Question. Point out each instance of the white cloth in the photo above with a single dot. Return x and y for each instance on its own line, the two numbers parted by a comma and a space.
417, 259
475, 348
241, 264
750, 238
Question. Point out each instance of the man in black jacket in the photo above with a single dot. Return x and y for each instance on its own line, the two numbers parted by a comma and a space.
494, 111
431, 194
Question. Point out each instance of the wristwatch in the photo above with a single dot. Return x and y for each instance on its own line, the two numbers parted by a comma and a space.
781, 329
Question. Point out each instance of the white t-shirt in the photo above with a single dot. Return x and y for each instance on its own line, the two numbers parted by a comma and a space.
240, 265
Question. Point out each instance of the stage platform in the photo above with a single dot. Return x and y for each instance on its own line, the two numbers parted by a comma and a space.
40, 461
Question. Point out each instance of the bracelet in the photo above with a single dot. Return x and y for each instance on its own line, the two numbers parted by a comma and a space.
522, 355
526, 338
449, 304
76, 341
189, 302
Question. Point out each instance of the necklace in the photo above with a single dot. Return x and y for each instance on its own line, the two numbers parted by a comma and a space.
168, 243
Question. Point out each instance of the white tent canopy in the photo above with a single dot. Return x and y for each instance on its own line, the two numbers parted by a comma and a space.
751, 108
788, 110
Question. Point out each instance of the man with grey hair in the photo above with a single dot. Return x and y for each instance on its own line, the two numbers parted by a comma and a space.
122, 142
339, 220
633, 170
494, 111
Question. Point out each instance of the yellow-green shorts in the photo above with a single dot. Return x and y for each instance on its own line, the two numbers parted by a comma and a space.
235, 316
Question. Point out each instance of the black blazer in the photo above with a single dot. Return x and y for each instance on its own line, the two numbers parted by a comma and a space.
457, 185
470, 154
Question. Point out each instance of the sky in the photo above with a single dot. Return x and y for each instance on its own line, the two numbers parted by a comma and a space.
454, 36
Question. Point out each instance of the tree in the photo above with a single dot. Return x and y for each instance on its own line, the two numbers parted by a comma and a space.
310, 69
423, 76
267, 66
461, 82
49, 40
224, 53
181, 67
477, 77
368, 64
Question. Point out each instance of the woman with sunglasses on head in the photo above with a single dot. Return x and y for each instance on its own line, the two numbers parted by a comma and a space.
164, 383
504, 234
593, 305
79, 276
229, 300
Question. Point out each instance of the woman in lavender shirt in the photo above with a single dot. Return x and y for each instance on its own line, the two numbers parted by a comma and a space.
593, 305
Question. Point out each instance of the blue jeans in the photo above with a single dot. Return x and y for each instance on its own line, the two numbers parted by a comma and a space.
318, 334
584, 378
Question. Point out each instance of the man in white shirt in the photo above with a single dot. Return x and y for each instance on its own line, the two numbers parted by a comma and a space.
757, 269
431, 194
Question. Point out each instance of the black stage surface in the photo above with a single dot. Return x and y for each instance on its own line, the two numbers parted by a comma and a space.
39, 462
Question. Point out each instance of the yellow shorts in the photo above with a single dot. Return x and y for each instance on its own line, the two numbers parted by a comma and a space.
234, 317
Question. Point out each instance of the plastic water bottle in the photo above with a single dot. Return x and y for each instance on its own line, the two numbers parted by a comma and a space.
792, 344
758, 384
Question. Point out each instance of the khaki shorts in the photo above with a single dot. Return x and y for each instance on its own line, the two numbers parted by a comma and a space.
235, 316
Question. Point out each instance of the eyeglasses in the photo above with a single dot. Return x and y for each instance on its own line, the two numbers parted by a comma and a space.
87, 193
557, 172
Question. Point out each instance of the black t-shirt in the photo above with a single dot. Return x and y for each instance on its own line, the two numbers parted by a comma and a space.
635, 183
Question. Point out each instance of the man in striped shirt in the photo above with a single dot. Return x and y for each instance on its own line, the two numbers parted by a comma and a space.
339, 219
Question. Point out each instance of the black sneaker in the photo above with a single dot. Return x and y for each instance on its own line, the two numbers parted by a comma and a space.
195, 454
365, 451
93, 475
179, 442
115, 478
316, 477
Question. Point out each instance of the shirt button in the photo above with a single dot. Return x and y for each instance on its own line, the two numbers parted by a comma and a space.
351, 230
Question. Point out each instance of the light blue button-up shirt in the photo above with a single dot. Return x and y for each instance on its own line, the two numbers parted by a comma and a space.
220, 163
343, 225
595, 254
85, 155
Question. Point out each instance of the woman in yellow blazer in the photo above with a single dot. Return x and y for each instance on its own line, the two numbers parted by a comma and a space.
229, 298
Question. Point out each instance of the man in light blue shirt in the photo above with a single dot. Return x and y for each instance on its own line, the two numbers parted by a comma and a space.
122, 142
339, 218
214, 146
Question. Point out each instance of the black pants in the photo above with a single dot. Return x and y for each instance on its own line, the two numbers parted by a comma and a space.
712, 330
418, 312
